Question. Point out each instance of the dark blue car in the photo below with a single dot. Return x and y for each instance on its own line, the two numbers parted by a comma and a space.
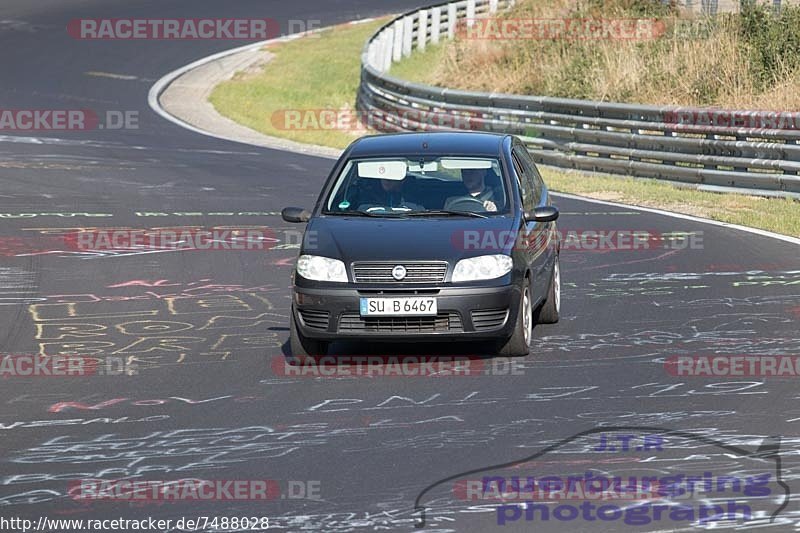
427, 236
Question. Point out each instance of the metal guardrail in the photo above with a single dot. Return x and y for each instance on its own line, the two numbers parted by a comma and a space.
637, 140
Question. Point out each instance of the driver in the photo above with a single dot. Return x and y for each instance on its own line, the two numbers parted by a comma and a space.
391, 194
474, 180
394, 192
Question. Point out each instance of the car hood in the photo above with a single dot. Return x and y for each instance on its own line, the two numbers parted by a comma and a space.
385, 239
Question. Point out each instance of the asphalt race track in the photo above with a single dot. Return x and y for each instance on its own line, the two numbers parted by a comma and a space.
205, 332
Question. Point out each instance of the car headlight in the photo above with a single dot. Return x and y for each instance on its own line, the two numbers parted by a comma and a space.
482, 267
319, 268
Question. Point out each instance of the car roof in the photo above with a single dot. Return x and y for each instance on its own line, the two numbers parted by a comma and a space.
450, 143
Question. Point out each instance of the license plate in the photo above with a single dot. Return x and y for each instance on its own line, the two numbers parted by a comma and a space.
398, 306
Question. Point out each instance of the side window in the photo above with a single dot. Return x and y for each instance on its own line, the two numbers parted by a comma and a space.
538, 185
533, 174
528, 193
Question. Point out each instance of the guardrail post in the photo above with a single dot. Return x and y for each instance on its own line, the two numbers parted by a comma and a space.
373, 46
380, 46
436, 25
397, 47
452, 15
408, 35
422, 29
470, 13
386, 57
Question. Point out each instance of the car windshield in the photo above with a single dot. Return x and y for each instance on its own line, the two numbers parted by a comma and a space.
430, 186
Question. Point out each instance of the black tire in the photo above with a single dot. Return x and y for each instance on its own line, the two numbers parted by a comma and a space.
302, 346
550, 310
519, 344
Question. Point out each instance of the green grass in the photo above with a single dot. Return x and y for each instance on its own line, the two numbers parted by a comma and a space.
772, 214
323, 73
308, 74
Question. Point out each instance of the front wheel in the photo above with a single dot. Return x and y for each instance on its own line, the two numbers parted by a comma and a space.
519, 344
300, 345
551, 309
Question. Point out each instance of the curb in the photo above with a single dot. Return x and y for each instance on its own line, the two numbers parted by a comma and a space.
255, 138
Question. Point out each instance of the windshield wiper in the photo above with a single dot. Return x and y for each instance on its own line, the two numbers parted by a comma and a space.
375, 214
442, 212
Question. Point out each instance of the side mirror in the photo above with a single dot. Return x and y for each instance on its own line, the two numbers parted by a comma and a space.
295, 214
546, 213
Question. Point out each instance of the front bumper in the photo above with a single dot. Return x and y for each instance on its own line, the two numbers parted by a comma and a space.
463, 313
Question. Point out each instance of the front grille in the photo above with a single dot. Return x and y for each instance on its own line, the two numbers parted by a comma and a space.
416, 272
483, 319
315, 319
441, 323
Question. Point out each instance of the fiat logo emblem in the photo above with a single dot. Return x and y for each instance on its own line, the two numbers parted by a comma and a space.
399, 272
